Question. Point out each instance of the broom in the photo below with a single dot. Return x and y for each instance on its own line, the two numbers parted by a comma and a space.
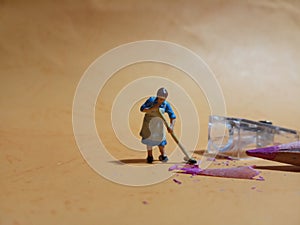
187, 157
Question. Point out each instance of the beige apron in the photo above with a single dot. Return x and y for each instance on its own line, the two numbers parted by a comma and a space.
153, 131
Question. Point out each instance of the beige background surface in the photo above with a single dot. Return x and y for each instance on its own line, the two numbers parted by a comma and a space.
253, 47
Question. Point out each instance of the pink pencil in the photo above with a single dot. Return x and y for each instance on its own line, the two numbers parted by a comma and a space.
285, 153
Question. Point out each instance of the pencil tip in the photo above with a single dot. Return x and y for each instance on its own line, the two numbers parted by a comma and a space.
264, 153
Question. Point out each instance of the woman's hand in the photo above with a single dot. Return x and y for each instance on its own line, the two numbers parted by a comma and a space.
170, 129
154, 108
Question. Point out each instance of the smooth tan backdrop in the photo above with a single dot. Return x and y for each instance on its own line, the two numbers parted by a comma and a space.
253, 48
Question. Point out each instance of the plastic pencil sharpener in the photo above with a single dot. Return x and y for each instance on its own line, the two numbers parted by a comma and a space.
233, 136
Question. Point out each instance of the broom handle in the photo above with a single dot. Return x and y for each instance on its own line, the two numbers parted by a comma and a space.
173, 135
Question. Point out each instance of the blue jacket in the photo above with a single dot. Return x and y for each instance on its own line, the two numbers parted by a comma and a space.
165, 105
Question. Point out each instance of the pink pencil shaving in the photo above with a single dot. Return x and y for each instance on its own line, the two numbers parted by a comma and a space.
243, 172
177, 181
